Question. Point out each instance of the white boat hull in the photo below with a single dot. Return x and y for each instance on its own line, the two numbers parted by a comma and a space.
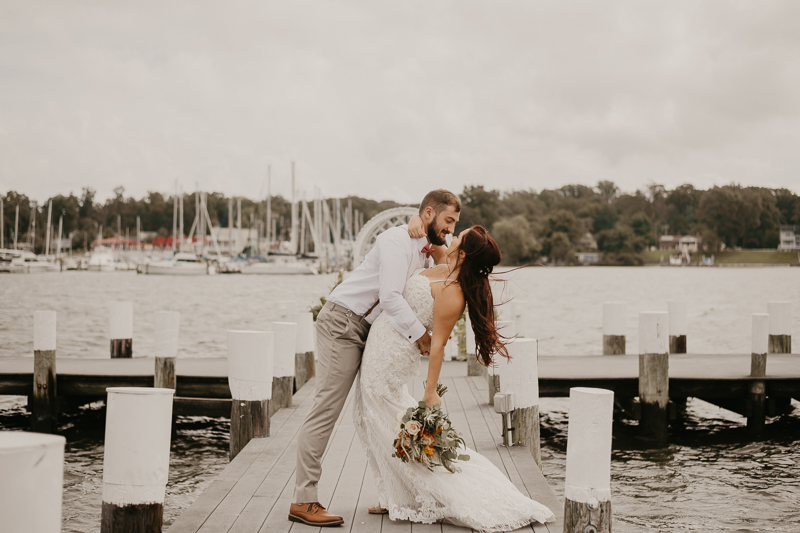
174, 270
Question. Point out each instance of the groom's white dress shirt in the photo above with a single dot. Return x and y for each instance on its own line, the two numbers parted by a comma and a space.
383, 276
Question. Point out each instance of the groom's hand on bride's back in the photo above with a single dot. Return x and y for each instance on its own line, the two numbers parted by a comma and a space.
424, 344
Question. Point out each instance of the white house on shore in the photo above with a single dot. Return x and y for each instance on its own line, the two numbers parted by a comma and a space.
790, 239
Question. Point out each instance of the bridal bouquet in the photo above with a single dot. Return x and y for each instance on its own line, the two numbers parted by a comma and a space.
426, 436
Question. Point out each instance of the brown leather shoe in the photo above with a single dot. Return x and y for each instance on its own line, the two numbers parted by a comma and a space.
313, 514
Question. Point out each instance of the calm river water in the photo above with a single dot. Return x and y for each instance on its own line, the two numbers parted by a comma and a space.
711, 478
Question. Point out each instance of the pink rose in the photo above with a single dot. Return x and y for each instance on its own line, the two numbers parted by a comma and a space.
413, 427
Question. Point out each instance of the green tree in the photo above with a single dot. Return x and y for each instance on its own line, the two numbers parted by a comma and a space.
516, 240
478, 206
641, 226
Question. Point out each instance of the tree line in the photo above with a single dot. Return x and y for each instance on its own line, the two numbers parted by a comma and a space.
554, 223
528, 225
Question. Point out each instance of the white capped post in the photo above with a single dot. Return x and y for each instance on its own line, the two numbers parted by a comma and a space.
678, 326
136, 458
519, 376
757, 397
614, 328
31, 481
165, 348
121, 329
654, 375
43, 400
780, 327
285, 334
587, 487
507, 330
305, 366
250, 365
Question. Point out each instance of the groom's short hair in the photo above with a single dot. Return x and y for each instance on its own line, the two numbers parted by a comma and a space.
439, 200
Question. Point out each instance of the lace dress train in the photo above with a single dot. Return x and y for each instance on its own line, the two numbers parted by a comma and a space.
480, 496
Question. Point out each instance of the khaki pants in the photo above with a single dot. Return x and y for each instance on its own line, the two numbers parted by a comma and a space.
341, 335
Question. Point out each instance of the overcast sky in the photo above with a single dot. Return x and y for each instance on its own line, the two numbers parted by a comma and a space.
387, 100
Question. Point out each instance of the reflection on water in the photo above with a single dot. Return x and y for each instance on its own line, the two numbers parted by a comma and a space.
711, 478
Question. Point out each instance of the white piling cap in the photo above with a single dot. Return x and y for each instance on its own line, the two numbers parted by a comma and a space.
780, 318
120, 320
285, 348
31, 481
250, 364
678, 319
167, 327
591, 413
137, 444
614, 318
306, 331
44, 330
653, 332
470, 336
760, 341
520, 375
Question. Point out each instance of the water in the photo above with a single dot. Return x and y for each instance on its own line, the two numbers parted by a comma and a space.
711, 478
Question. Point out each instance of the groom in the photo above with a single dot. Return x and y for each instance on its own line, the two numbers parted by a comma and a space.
342, 328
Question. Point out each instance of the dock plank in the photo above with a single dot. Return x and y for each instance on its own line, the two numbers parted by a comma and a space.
199, 512
535, 483
254, 494
363, 522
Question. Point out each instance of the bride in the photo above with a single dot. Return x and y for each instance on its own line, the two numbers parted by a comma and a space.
480, 496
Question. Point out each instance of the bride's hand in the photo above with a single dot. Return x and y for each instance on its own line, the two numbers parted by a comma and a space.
416, 229
432, 399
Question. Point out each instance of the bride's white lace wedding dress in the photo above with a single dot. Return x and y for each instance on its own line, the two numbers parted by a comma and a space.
480, 496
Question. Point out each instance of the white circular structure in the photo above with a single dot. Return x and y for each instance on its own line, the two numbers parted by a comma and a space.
384, 220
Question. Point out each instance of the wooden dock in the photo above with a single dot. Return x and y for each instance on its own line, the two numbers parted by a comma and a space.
690, 375
253, 493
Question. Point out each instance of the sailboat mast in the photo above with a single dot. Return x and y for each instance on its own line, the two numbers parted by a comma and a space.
293, 236
16, 227
47, 233
269, 207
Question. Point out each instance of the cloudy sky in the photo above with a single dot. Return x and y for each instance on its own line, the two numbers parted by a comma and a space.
389, 99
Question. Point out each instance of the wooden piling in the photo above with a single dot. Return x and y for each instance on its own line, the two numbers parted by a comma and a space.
614, 328
474, 367
654, 377
284, 362
167, 328
43, 400
121, 329
678, 326
31, 481
137, 419
587, 486
780, 327
519, 377
305, 366
756, 394
250, 364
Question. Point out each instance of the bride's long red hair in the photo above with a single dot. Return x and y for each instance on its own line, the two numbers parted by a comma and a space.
481, 255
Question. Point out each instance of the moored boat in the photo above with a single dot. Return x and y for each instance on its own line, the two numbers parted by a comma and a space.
181, 264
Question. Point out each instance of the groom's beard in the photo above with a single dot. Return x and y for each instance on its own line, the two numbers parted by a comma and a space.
435, 234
